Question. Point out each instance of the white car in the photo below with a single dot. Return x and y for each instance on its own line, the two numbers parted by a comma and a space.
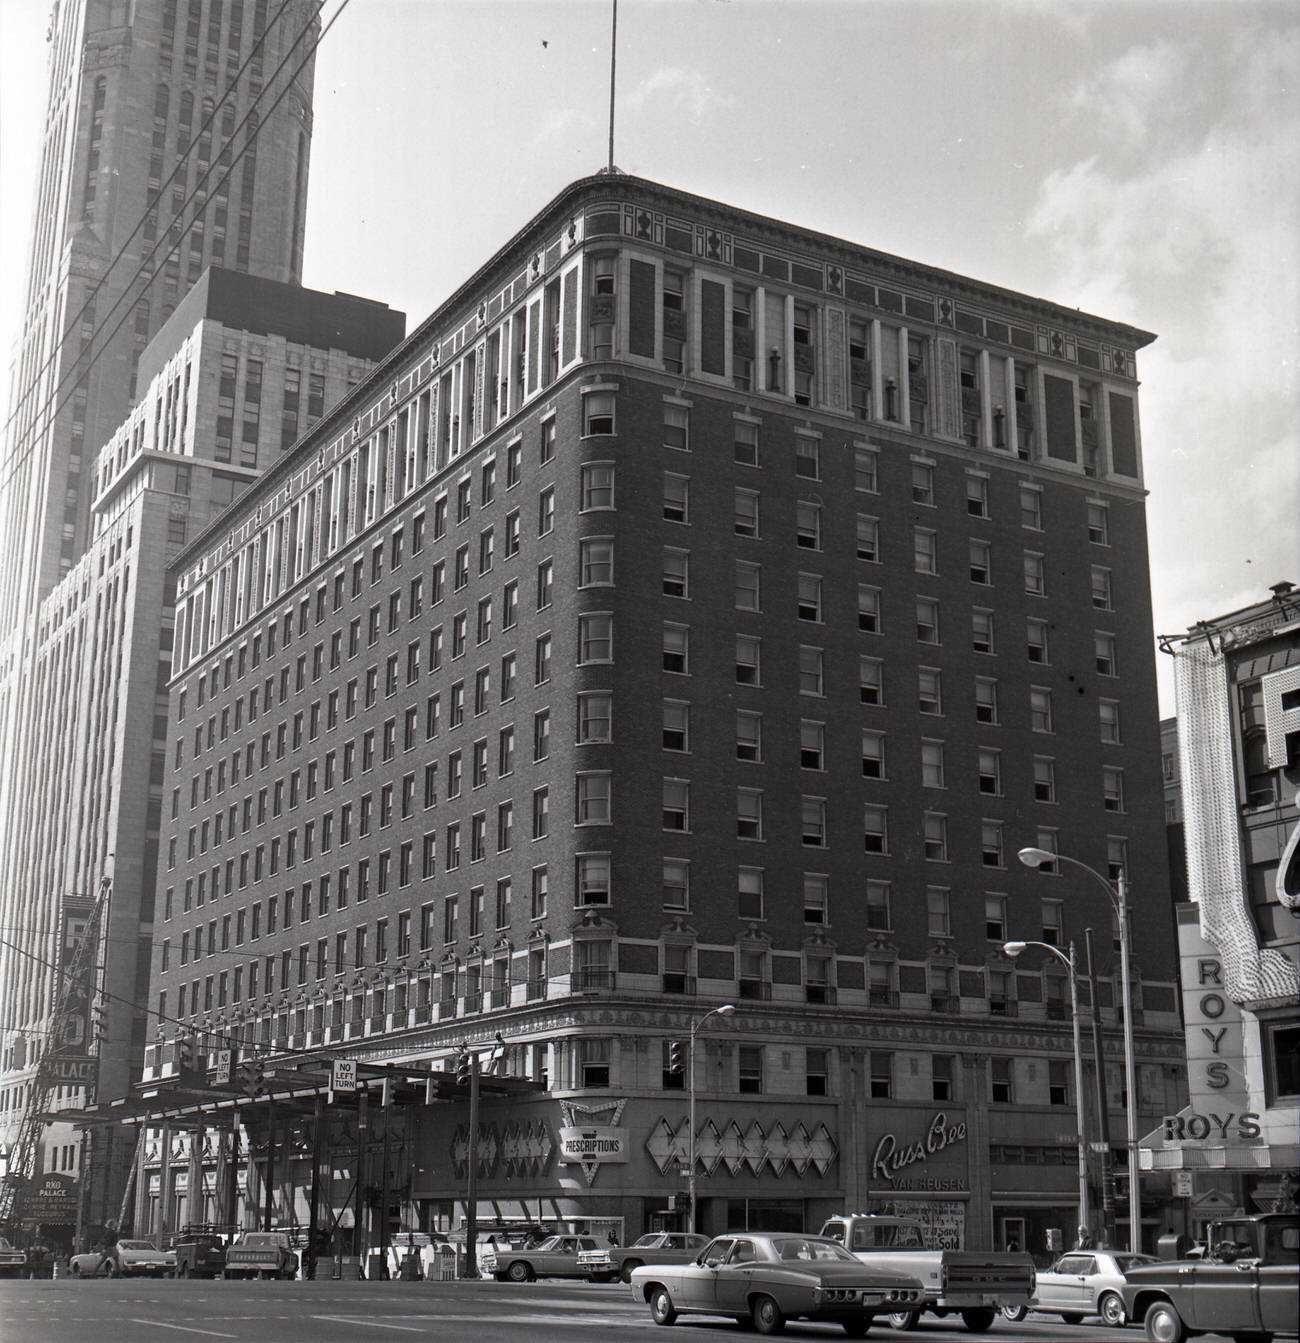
128, 1258
1083, 1282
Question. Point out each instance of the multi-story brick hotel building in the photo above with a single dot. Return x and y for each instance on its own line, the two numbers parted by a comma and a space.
694, 610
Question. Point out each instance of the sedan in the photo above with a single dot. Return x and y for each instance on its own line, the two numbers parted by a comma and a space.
657, 1247
127, 1258
1083, 1283
555, 1257
763, 1279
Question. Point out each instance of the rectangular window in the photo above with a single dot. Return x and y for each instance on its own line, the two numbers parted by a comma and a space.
676, 572
677, 428
748, 586
869, 609
749, 894
929, 690
745, 513
878, 918
938, 912
925, 550
597, 486
676, 883
749, 813
1098, 523
677, 722
923, 483
749, 1080
1040, 708
927, 620
598, 413
677, 805
991, 849
595, 637
808, 525
1000, 1081
982, 630
1112, 788
1035, 574
1044, 779
866, 469
1108, 713
941, 1074
676, 649
593, 800
676, 505
809, 604
977, 496
881, 1074
934, 832
868, 532
990, 771
812, 813
873, 754
594, 717
748, 665
1104, 646
1031, 507
871, 680
745, 442
1036, 641
875, 828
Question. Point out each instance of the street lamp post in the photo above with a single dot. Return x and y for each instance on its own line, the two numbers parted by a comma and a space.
1118, 896
1013, 949
724, 1011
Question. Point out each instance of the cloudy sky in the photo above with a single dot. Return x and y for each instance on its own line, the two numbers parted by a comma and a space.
1138, 160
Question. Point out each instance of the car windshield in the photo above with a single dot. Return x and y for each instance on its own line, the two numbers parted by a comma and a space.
1124, 1262
647, 1242
552, 1243
134, 1245
809, 1248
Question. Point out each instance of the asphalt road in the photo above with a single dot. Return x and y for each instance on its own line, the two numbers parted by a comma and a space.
168, 1311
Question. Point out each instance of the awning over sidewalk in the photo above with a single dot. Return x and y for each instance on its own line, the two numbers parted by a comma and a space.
1158, 1152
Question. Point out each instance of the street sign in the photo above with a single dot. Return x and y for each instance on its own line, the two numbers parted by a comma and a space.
343, 1074
1183, 1186
221, 1073
1099, 1147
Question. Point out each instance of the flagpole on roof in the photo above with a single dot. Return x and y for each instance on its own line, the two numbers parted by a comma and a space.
613, 59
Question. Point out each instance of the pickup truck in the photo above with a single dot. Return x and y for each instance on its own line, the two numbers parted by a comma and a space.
262, 1254
1246, 1285
974, 1284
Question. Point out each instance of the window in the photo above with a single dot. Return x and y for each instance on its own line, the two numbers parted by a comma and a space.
749, 1080
676, 577
593, 879
807, 453
812, 813
932, 764
593, 799
816, 898
923, 482
677, 805
938, 912
746, 513
808, 525
541, 812
981, 564
881, 1074
1035, 577
981, 630
595, 637
676, 498
811, 671
816, 1065
927, 620
878, 920
995, 917
1098, 523
1031, 507
748, 666
1052, 922
990, 771
749, 893
1040, 708
929, 690
676, 649
1058, 1082
1108, 713
598, 413
594, 709
1101, 588
597, 486
866, 468
749, 736
874, 828
873, 754
869, 609
809, 605
749, 813
1000, 1081
545, 579
1104, 645
868, 537
1046, 840
991, 843
595, 562
1044, 779
934, 833
676, 883
871, 680
745, 442
1036, 641
541, 661
593, 1055
977, 496
941, 1071
925, 550
537, 900
1112, 788
677, 428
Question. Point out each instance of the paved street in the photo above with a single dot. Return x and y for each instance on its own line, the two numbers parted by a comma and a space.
169, 1311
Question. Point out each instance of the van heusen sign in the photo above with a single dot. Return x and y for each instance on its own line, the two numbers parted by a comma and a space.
928, 1156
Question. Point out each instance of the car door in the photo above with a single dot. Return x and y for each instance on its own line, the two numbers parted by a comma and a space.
1225, 1297
734, 1275
1057, 1289
697, 1281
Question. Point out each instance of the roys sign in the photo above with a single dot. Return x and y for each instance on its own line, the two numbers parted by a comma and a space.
892, 1156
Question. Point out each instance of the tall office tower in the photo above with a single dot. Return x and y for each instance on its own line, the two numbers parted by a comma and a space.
696, 611
176, 137
242, 368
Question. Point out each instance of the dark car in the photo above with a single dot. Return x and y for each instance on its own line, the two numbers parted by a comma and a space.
1247, 1285
200, 1256
762, 1280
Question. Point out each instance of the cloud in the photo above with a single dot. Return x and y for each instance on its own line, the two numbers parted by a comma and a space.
1200, 222
677, 88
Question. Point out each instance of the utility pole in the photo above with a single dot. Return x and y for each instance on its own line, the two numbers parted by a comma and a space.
383, 1178
471, 1183
1103, 1110
309, 1268
269, 1191
363, 1124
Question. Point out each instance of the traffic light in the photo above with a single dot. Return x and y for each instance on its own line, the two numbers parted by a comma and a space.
676, 1057
187, 1054
252, 1077
463, 1068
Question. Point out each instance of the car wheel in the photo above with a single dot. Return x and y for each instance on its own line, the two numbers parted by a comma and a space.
662, 1310
1164, 1324
520, 1271
75, 1270
978, 1319
1014, 1313
905, 1320
857, 1327
1111, 1310
768, 1318
628, 1266
1072, 1318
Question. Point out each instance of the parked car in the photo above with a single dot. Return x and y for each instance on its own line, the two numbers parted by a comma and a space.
555, 1257
128, 1258
13, 1262
199, 1255
1083, 1282
762, 1280
1247, 1285
262, 1254
657, 1247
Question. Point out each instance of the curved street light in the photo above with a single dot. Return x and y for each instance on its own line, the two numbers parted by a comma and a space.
1013, 949
725, 1011
1118, 896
